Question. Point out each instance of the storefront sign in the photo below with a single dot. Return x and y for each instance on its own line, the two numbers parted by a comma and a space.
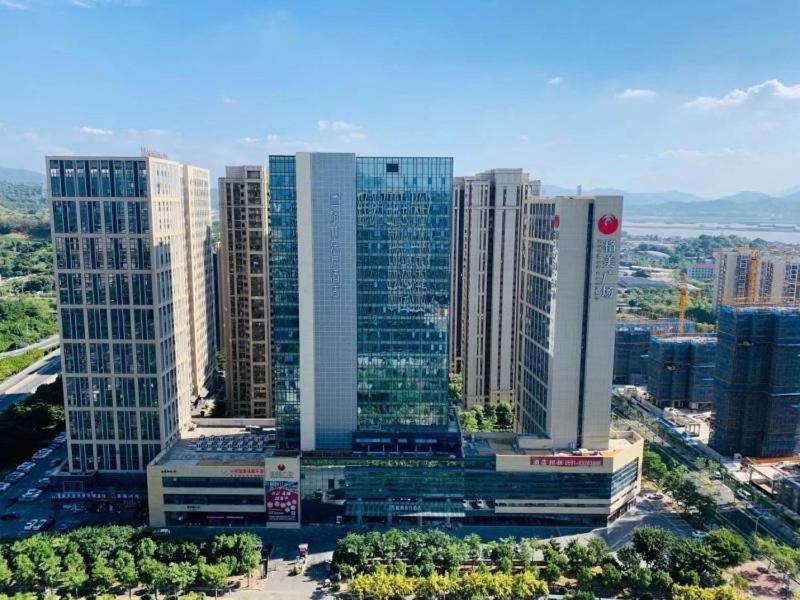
245, 472
566, 461
282, 490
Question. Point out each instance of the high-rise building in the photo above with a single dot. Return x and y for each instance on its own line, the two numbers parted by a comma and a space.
768, 277
200, 270
757, 381
680, 370
482, 311
566, 297
131, 257
359, 271
244, 286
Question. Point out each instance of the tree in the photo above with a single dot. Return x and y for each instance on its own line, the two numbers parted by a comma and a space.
600, 552
526, 585
578, 555
5, 571
504, 416
728, 547
628, 557
179, 576
474, 547
74, 575
661, 582
610, 577
125, 566
153, 575
653, 544
434, 587
213, 576
691, 556
102, 576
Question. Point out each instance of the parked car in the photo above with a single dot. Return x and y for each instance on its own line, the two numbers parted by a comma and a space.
14, 477
163, 532
30, 525
480, 503
4, 485
56, 462
465, 504
31, 495
43, 453
44, 483
698, 535
60, 438
26, 466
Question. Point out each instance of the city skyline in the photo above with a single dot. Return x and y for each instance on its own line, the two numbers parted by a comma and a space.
680, 96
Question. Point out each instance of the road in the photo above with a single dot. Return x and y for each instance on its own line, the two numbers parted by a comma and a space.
45, 343
18, 387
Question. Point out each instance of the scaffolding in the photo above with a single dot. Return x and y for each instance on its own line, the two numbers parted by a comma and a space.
758, 381
632, 343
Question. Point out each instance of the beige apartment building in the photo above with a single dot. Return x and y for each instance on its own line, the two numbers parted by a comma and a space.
133, 303
757, 276
244, 290
485, 227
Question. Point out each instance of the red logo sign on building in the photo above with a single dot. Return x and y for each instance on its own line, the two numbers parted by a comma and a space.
607, 224
281, 467
556, 221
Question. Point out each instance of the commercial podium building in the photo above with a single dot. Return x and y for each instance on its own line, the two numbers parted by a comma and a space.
359, 278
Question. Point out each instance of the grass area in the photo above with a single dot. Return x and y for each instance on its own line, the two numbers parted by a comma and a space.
25, 320
26, 263
11, 365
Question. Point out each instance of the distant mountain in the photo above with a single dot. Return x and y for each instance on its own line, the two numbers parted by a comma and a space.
790, 191
631, 198
20, 176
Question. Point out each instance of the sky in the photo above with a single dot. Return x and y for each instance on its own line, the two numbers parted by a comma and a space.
702, 97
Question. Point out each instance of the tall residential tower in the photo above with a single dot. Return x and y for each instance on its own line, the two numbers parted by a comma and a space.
244, 290
486, 211
132, 257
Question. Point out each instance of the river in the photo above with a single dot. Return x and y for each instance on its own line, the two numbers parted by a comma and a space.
665, 229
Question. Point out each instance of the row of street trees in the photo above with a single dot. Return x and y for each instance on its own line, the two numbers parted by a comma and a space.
97, 560
675, 480
651, 563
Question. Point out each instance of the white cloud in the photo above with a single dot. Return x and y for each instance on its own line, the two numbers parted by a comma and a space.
777, 88
251, 140
31, 136
229, 101
524, 138
691, 154
556, 80
96, 131
272, 138
325, 125
635, 93
14, 5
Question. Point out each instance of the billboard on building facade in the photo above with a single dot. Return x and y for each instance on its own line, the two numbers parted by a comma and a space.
282, 491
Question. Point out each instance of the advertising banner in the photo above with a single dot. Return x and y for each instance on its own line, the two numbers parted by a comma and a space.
282, 491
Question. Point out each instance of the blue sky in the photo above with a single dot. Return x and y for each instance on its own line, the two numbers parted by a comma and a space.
698, 96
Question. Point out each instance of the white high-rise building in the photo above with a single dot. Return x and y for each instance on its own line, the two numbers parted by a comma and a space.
132, 257
777, 277
484, 278
566, 298
244, 286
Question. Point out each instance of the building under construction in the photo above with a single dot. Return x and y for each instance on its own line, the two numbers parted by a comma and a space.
757, 381
680, 370
632, 343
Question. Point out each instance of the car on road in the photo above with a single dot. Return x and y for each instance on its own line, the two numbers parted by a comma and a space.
44, 483
656, 496
163, 532
31, 495
26, 466
744, 494
29, 526
465, 504
60, 438
43, 453
699, 535
56, 462
4, 485
480, 503
14, 476
64, 528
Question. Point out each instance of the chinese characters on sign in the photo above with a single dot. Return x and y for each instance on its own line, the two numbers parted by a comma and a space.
334, 226
566, 461
246, 472
605, 269
282, 501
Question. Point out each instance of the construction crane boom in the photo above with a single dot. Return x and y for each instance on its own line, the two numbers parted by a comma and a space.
683, 303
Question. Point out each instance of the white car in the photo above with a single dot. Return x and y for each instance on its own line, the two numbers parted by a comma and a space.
480, 503
30, 525
4, 485
26, 466
699, 535
31, 495
43, 453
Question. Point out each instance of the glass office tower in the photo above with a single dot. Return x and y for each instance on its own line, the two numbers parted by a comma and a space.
403, 256
285, 325
401, 276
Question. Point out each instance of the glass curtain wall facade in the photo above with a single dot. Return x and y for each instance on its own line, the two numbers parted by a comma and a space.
284, 321
403, 275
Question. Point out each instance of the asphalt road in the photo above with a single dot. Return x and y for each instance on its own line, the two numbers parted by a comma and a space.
45, 343
18, 387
